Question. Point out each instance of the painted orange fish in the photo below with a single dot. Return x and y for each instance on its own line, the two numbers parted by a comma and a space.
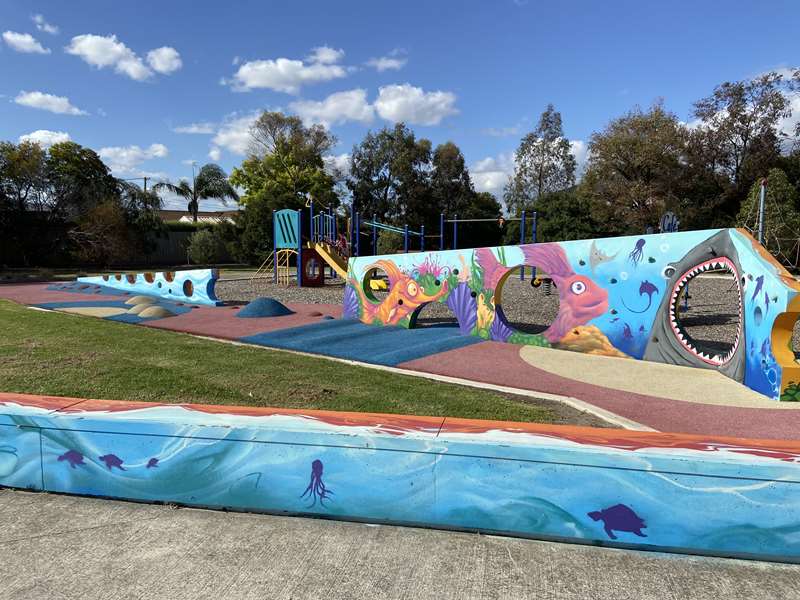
405, 296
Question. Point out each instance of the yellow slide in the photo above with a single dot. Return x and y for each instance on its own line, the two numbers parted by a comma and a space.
332, 257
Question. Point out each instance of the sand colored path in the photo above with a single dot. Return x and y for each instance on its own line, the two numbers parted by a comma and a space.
649, 378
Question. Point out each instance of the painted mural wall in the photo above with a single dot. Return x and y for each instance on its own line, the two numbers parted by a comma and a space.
618, 297
194, 286
602, 486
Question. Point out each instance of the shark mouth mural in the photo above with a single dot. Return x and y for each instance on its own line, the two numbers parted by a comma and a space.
710, 357
670, 341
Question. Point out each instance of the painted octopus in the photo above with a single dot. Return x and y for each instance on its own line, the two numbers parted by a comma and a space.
405, 296
316, 489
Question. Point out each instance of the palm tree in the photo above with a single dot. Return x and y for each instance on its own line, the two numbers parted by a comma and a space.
210, 182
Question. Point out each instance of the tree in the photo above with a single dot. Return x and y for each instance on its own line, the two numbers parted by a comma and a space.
741, 119
285, 168
210, 182
451, 185
77, 179
294, 150
635, 170
101, 236
543, 163
781, 216
22, 174
390, 176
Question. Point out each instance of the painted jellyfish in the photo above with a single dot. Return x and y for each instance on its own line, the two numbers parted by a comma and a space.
637, 253
316, 489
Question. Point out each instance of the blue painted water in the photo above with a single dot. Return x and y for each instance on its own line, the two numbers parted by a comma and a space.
512, 482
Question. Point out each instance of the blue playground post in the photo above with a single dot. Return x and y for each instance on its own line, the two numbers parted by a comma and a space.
299, 248
311, 216
374, 235
405, 238
422, 238
533, 238
522, 241
455, 232
358, 234
274, 249
352, 226
441, 231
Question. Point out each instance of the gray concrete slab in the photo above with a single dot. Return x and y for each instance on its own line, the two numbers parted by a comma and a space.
61, 547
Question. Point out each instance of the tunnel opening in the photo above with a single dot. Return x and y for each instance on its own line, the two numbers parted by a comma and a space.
530, 305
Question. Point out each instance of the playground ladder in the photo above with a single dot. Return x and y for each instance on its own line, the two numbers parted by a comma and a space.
282, 264
267, 267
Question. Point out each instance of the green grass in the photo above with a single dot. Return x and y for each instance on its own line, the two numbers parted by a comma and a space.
67, 355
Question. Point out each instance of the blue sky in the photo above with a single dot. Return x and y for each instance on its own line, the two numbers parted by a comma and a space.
131, 79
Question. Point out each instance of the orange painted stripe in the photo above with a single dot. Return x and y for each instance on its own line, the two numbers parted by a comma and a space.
785, 450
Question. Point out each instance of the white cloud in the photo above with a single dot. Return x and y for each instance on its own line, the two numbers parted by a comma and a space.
164, 60
124, 160
337, 108
502, 131
288, 75
394, 61
580, 150
107, 51
325, 55
233, 135
43, 25
491, 174
24, 42
414, 105
55, 104
204, 127
236, 60
337, 165
44, 137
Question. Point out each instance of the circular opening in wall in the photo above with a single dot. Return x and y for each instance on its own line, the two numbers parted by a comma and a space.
188, 288
433, 314
130, 278
105, 277
149, 277
706, 310
118, 277
169, 276
376, 285
529, 308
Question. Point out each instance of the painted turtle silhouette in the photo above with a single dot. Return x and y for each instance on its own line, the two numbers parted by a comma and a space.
619, 518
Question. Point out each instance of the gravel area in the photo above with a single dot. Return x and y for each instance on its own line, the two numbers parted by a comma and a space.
712, 319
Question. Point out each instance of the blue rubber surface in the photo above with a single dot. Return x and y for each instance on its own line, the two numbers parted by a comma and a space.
354, 340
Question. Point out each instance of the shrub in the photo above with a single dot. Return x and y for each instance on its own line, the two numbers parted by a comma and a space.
389, 242
204, 247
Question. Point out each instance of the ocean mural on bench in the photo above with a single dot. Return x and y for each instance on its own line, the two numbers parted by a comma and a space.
617, 297
721, 496
194, 286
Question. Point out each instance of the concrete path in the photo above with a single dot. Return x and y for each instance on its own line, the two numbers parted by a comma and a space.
61, 547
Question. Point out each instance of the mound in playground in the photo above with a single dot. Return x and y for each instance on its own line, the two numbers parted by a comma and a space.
709, 495
264, 307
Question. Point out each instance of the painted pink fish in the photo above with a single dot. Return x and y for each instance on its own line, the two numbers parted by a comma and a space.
580, 298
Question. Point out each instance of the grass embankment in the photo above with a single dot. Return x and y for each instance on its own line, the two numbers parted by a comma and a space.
66, 355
